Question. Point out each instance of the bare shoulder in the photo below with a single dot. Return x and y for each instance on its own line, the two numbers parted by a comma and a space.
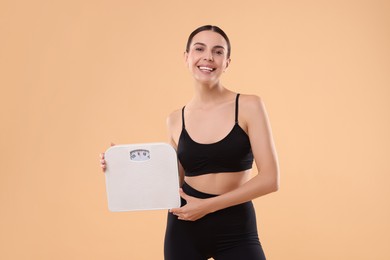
174, 123
174, 118
251, 105
255, 117
249, 98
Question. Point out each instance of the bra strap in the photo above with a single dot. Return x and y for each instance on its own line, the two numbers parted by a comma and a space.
182, 118
238, 94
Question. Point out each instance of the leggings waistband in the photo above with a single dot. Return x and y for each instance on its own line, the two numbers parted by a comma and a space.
195, 193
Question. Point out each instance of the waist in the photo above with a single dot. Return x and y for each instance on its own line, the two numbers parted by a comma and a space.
230, 212
218, 183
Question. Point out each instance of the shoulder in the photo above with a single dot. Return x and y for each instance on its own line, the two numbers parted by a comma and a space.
252, 110
251, 103
174, 118
174, 125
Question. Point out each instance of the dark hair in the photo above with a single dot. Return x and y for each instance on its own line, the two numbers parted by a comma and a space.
209, 28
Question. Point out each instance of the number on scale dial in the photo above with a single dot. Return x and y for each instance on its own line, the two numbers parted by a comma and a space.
139, 155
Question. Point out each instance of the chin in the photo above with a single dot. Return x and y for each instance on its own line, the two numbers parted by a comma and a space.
207, 80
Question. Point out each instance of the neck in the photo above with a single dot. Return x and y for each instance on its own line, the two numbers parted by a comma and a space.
207, 90
207, 94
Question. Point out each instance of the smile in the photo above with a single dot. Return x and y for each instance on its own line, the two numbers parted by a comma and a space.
208, 69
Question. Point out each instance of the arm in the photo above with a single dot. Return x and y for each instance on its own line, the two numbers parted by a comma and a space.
173, 125
266, 181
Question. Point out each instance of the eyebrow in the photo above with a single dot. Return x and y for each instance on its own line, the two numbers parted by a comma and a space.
216, 46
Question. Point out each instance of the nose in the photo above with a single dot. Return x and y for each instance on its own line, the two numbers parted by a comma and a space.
209, 56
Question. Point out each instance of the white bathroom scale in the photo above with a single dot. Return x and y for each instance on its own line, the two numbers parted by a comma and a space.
142, 177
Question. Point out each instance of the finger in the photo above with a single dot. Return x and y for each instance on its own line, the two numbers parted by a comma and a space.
102, 156
175, 211
103, 164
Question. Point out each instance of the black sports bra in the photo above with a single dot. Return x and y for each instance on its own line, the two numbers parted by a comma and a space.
231, 154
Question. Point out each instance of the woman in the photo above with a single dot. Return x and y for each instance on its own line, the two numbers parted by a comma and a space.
217, 136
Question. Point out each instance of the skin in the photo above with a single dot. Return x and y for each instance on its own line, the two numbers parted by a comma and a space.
209, 117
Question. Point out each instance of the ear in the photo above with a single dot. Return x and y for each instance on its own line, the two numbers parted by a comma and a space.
185, 56
227, 64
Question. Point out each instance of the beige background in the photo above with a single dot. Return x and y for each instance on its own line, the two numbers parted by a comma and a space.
76, 75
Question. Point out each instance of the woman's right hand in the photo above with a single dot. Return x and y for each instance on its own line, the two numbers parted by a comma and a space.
103, 161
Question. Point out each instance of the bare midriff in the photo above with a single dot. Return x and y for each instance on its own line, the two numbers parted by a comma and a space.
218, 183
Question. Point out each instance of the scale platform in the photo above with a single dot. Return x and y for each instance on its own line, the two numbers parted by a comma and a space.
142, 177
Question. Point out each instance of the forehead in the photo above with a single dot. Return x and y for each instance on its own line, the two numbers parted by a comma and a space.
209, 38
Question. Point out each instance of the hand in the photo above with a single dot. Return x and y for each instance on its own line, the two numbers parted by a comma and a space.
193, 210
103, 161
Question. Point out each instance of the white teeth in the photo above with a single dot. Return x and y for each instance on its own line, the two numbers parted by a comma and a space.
206, 68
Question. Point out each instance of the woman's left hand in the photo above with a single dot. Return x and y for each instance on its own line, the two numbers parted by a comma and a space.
193, 210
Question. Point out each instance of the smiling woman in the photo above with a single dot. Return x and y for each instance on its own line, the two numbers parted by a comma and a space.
208, 51
217, 217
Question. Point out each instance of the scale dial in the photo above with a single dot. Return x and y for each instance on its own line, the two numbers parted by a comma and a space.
140, 155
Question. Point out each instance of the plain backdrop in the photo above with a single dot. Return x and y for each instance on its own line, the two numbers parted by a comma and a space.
77, 75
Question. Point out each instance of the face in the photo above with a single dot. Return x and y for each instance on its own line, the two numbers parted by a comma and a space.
207, 56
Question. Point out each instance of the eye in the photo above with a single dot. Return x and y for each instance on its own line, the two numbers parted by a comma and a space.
219, 52
199, 49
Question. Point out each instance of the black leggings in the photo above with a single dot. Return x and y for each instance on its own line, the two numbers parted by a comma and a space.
228, 234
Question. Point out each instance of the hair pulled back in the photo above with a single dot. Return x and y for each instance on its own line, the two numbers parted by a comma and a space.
212, 28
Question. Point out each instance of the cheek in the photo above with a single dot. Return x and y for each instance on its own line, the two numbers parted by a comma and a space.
192, 61
190, 64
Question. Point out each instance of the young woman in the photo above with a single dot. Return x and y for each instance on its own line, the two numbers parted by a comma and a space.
217, 136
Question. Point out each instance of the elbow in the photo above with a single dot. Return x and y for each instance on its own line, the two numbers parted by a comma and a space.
275, 183
270, 178
270, 181
270, 186
274, 187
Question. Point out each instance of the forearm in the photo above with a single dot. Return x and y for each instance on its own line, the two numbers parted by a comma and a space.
258, 186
